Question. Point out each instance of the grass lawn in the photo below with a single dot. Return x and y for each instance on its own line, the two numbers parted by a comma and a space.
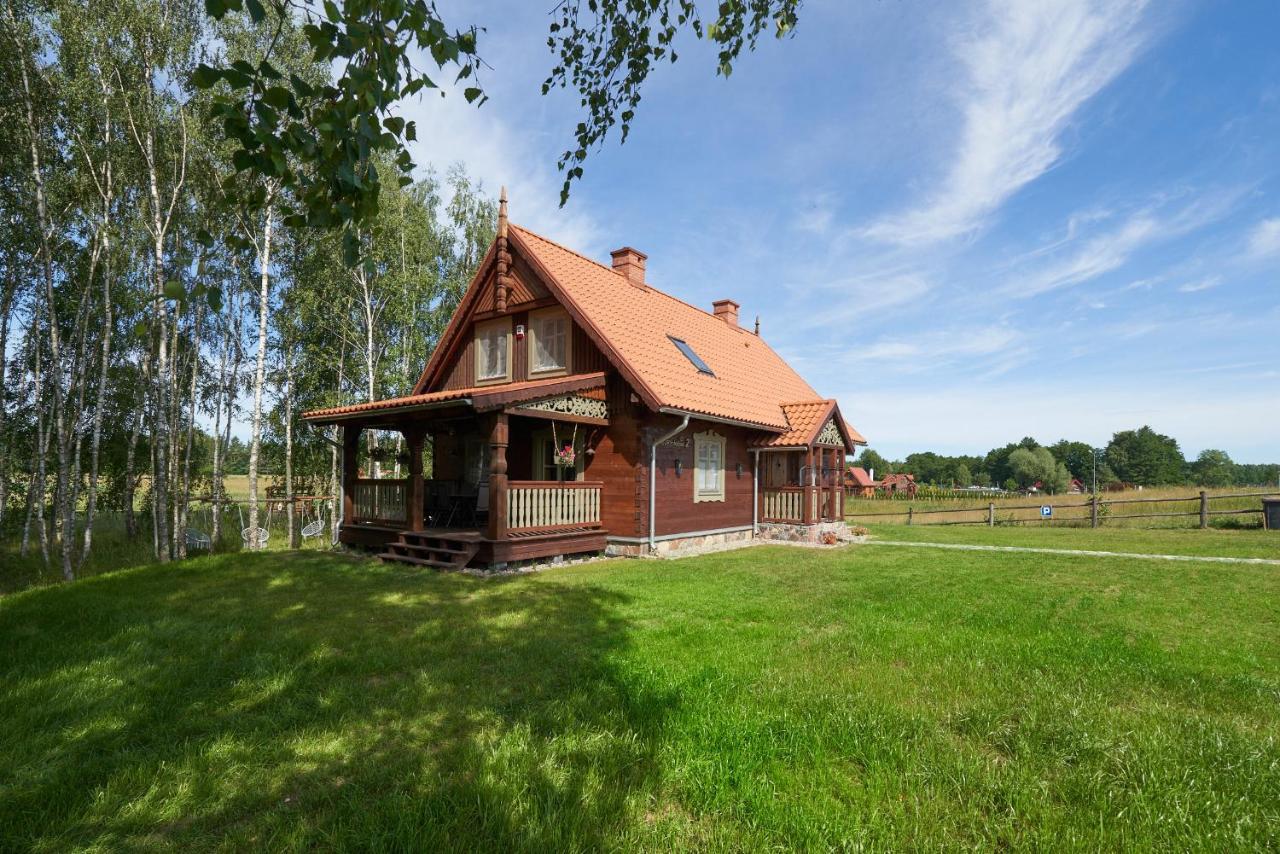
770, 697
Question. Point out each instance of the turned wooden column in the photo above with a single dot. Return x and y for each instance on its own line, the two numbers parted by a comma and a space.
416, 498
807, 513
350, 470
498, 477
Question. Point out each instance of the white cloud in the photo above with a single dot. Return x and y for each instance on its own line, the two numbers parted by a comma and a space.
1107, 251
1028, 68
1200, 285
1264, 240
450, 130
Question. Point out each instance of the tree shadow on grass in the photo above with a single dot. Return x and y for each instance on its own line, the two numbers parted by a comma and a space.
307, 700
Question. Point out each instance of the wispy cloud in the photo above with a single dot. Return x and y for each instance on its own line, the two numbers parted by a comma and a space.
1264, 240
1110, 250
1201, 285
1028, 68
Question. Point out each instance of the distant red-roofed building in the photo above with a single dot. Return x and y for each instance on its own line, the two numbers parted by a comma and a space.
858, 482
898, 483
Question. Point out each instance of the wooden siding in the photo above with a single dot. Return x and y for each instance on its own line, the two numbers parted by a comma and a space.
586, 357
619, 462
676, 511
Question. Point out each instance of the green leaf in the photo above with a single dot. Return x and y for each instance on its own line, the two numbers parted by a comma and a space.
471, 93
331, 10
173, 290
213, 296
277, 96
205, 76
204, 238
256, 12
215, 8
395, 124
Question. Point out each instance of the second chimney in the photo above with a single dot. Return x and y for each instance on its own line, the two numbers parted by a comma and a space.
726, 310
630, 263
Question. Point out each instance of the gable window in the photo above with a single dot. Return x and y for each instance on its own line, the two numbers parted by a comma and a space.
549, 342
683, 347
708, 466
493, 351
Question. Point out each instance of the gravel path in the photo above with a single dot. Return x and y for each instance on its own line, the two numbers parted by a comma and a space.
1082, 552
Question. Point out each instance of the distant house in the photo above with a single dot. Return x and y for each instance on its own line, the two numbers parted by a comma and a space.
1077, 486
858, 482
896, 483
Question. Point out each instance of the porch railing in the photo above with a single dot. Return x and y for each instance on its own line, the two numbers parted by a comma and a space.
547, 505
381, 500
783, 504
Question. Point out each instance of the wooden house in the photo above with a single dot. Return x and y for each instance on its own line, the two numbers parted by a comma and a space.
898, 483
572, 407
858, 482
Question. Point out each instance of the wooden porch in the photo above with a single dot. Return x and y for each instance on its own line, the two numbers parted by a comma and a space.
476, 514
803, 487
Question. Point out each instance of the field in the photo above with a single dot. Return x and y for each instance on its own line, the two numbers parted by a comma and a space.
871, 510
872, 696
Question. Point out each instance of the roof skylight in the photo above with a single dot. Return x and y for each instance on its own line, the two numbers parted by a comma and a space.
693, 357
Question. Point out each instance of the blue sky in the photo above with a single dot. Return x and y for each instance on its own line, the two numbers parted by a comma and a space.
969, 222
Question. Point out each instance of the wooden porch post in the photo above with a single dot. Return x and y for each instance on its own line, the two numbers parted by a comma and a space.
416, 497
807, 513
498, 477
350, 470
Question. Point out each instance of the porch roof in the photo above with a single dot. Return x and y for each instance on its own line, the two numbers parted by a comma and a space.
482, 398
804, 421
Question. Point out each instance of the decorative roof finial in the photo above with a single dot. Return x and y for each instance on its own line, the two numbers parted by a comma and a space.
502, 281
502, 213
757, 325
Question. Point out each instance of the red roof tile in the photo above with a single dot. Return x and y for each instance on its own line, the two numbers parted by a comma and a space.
750, 380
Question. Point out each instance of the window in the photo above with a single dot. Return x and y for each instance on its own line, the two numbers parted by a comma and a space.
708, 467
549, 342
493, 346
693, 357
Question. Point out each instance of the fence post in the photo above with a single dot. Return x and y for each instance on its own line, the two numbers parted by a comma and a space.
1204, 509
1093, 511
910, 510
991, 514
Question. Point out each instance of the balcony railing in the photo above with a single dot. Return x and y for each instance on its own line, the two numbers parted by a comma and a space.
546, 505
783, 504
381, 501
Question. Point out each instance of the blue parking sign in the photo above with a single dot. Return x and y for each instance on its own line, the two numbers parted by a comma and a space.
1046, 511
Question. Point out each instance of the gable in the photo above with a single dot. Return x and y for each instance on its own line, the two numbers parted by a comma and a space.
631, 327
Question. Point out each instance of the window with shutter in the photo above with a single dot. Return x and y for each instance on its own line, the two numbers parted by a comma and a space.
708, 463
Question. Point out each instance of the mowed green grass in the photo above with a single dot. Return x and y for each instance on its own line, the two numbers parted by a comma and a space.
772, 697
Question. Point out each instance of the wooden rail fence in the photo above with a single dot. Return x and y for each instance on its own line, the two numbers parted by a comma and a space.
1099, 510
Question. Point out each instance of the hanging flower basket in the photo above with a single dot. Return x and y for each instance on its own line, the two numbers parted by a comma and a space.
565, 457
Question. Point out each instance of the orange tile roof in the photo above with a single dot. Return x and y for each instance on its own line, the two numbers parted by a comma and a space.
751, 381
480, 397
859, 476
804, 420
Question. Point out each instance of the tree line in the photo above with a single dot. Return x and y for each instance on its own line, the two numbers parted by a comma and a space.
144, 310
1141, 457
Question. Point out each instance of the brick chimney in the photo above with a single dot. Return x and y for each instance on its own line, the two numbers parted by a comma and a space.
726, 310
630, 263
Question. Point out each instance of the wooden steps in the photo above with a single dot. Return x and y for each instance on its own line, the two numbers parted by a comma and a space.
436, 549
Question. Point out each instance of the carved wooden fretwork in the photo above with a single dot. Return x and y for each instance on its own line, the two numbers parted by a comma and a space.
830, 434
571, 404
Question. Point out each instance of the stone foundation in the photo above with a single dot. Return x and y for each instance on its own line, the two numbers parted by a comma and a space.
681, 546
790, 533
